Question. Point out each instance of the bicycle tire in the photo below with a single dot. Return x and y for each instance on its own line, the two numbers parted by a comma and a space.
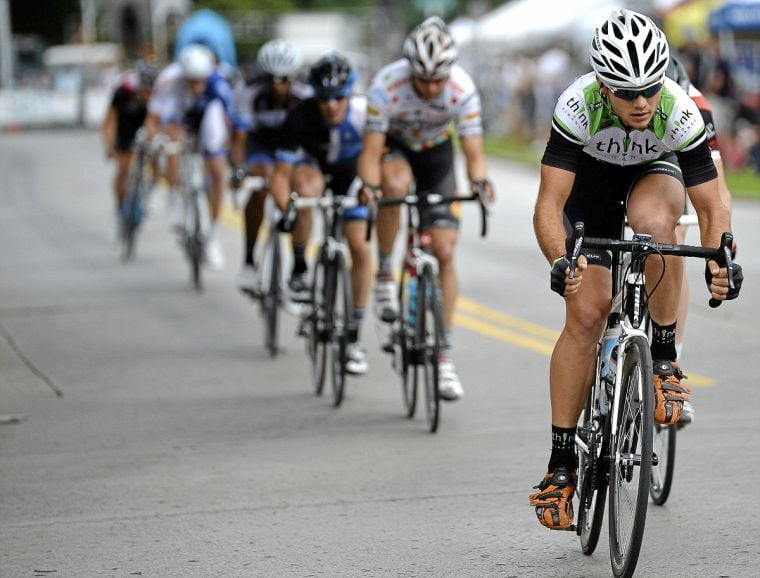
630, 478
662, 473
428, 343
341, 318
194, 242
591, 486
271, 299
402, 331
316, 335
131, 210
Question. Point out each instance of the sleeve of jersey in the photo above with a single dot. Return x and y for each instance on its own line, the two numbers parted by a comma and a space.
118, 97
696, 164
470, 119
378, 103
561, 152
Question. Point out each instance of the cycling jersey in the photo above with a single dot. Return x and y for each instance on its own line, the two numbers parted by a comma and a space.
256, 113
306, 137
584, 123
395, 108
706, 111
130, 113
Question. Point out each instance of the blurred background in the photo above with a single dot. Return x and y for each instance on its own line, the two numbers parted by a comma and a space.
59, 59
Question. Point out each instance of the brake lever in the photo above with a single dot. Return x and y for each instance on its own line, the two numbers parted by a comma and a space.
726, 246
577, 242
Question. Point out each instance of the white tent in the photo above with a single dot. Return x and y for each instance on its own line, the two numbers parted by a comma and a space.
534, 24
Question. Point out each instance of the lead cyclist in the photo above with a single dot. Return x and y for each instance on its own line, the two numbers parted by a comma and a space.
624, 140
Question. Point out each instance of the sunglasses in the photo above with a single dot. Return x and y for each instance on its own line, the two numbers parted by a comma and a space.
627, 94
281, 79
339, 98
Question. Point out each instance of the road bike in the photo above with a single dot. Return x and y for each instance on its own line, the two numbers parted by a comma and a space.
326, 322
418, 333
196, 221
269, 261
614, 439
133, 206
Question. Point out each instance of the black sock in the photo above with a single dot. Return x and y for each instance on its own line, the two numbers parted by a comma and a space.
299, 259
563, 448
663, 342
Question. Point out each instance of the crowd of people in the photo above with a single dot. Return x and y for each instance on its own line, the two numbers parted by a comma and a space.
635, 121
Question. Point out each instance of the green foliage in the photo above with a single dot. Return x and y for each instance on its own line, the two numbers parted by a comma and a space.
744, 183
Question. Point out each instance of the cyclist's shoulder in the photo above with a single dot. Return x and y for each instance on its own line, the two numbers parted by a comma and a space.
391, 77
460, 80
679, 116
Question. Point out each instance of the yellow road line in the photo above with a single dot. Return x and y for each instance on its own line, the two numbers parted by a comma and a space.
492, 323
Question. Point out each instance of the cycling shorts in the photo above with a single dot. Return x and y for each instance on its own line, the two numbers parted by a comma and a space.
600, 193
433, 171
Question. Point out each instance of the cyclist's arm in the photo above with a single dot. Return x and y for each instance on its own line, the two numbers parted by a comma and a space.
108, 130
553, 192
714, 217
368, 164
237, 153
280, 187
475, 157
723, 190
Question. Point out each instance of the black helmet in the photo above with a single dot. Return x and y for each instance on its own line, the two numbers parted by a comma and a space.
677, 71
332, 76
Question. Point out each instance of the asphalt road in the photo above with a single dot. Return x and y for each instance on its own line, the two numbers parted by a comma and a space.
151, 435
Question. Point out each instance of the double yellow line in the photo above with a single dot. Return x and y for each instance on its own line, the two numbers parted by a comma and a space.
486, 321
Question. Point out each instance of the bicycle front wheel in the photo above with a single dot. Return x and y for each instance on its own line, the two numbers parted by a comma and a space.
631, 458
194, 239
270, 301
428, 342
402, 345
341, 319
317, 333
662, 472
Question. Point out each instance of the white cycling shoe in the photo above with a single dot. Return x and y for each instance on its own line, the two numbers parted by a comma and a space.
214, 254
386, 295
449, 386
356, 359
248, 279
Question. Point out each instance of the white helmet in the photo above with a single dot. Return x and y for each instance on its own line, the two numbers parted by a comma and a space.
279, 58
629, 51
197, 62
430, 49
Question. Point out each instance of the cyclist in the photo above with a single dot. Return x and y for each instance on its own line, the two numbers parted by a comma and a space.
260, 110
124, 118
677, 72
321, 140
194, 97
624, 139
413, 104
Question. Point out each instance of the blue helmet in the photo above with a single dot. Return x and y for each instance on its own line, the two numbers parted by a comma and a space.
332, 77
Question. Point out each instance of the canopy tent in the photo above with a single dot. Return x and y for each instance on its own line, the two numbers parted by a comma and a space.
534, 24
737, 16
207, 27
688, 22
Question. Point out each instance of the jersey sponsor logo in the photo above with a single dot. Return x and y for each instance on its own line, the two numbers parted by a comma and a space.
372, 111
395, 85
614, 147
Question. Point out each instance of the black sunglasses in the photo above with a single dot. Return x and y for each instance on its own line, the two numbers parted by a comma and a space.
281, 79
338, 98
627, 94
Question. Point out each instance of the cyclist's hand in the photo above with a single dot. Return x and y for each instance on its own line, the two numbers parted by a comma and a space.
561, 282
368, 194
237, 178
485, 187
716, 278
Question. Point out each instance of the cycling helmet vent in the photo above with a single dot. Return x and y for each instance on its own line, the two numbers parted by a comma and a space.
332, 77
430, 49
279, 58
629, 51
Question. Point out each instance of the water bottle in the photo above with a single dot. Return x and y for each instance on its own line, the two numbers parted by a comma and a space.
411, 291
609, 343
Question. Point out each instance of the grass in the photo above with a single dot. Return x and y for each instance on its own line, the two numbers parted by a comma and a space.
743, 183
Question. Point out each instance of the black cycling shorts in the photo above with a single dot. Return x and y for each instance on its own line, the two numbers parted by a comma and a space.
600, 193
433, 171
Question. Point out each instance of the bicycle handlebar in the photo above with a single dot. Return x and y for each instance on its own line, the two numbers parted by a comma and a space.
429, 199
644, 246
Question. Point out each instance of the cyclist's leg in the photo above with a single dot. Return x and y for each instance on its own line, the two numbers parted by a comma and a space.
654, 206
395, 182
214, 136
355, 230
175, 132
123, 157
260, 165
307, 181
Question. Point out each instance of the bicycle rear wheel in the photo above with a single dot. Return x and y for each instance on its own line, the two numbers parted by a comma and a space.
592, 484
341, 318
270, 301
194, 239
428, 343
662, 472
403, 342
631, 459
316, 328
